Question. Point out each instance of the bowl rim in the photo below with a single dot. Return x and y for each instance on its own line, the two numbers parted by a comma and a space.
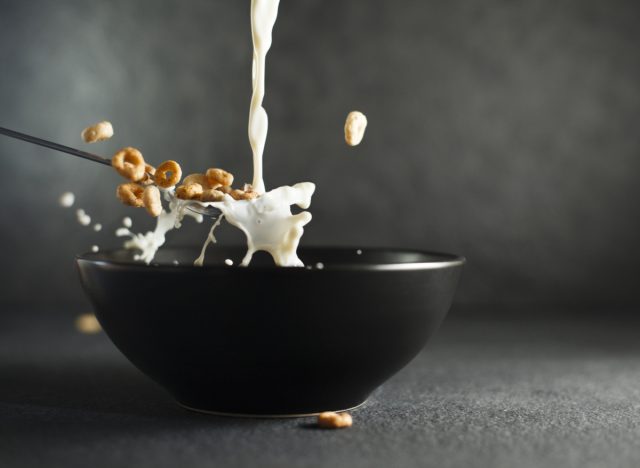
448, 260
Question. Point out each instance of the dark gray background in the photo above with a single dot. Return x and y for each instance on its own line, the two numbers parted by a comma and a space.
504, 131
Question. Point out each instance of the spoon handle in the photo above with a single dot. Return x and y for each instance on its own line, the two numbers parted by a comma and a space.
55, 146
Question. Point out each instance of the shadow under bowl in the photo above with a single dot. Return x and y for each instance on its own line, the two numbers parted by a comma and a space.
266, 340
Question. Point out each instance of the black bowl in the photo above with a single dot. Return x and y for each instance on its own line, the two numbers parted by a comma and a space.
265, 340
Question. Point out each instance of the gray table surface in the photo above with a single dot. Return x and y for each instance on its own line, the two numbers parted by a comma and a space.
490, 390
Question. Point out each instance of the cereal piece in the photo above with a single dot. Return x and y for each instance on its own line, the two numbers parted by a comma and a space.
168, 174
98, 132
88, 324
211, 195
249, 193
218, 177
354, 128
224, 189
151, 200
197, 179
238, 194
331, 420
189, 192
149, 172
130, 194
129, 163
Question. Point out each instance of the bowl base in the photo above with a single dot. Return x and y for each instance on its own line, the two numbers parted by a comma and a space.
265, 416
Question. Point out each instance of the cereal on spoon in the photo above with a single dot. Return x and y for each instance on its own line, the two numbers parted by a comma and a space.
144, 180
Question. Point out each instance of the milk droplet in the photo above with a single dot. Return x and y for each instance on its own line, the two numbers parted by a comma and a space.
126, 222
319, 265
67, 200
359, 252
228, 262
95, 248
97, 227
83, 218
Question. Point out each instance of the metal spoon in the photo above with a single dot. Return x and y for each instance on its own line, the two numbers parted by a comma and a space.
208, 211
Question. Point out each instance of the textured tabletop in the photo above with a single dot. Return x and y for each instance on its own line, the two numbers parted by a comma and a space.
489, 390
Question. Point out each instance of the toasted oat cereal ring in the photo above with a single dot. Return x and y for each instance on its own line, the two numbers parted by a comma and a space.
211, 195
242, 195
168, 174
151, 200
129, 163
130, 194
250, 195
98, 132
331, 420
354, 128
149, 172
197, 179
219, 177
189, 192
237, 194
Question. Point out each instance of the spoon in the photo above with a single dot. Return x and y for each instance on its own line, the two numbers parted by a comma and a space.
208, 211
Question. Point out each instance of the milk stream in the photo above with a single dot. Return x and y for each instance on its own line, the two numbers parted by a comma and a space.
266, 221
263, 18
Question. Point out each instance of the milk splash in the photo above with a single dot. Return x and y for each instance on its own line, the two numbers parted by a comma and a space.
266, 221
149, 243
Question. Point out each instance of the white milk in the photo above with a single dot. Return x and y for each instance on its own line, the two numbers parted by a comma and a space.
67, 200
211, 239
268, 223
150, 242
263, 18
83, 218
